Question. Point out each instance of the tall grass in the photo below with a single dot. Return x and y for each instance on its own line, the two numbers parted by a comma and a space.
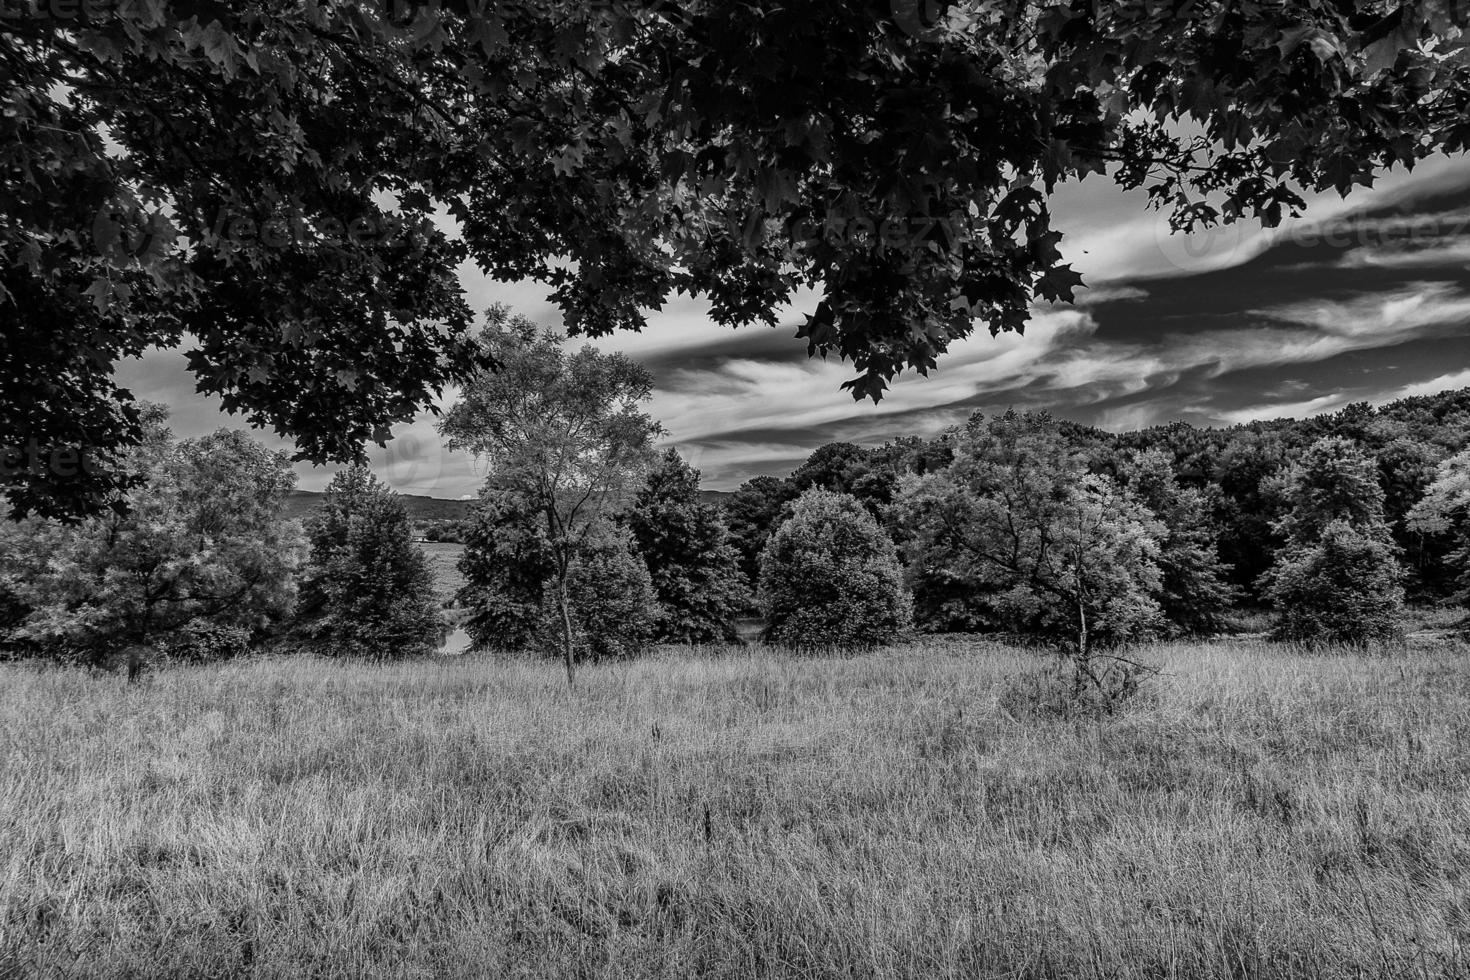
1267, 815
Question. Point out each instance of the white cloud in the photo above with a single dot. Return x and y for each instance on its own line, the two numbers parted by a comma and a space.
1445, 382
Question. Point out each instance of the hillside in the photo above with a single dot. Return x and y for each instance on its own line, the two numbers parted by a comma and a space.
421, 508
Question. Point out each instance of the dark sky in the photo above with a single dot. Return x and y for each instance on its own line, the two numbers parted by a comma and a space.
1362, 299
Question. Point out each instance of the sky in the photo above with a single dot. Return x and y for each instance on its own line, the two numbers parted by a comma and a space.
1364, 298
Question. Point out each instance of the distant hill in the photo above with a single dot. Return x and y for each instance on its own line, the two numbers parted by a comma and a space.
302, 502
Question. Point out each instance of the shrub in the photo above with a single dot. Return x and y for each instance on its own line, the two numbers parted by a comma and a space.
1344, 588
830, 576
1061, 691
615, 612
368, 591
200, 641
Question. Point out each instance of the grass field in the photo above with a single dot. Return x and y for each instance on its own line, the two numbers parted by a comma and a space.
1268, 814
444, 565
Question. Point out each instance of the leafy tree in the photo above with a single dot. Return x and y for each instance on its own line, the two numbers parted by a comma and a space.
1443, 516
368, 590
199, 540
695, 568
845, 468
262, 177
1343, 587
1251, 503
1338, 578
754, 511
617, 612
563, 431
1193, 593
830, 576
507, 561
1016, 535
511, 592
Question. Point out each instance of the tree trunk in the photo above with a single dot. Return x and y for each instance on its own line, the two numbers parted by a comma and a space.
566, 627
1081, 630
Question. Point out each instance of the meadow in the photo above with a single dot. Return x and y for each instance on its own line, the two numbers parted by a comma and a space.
1264, 813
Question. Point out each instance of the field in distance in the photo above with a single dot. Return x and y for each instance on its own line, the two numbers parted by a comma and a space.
1267, 814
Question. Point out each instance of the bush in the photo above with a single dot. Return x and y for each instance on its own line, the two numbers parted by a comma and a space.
200, 641
1063, 691
1346, 588
615, 613
830, 576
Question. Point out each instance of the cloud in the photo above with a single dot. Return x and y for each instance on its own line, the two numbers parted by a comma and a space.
1445, 382
1286, 410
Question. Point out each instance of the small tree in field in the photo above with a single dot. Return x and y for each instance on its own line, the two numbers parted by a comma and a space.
695, 567
563, 431
199, 555
830, 576
368, 591
1338, 579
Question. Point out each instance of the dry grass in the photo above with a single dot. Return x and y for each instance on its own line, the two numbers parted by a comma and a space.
1269, 814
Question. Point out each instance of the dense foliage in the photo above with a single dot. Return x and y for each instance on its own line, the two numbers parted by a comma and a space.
1016, 535
200, 545
367, 590
830, 576
1343, 588
1193, 594
695, 568
1337, 580
512, 595
564, 431
262, 178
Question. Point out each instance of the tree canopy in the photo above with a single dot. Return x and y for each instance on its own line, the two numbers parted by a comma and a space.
202, 543
288, 189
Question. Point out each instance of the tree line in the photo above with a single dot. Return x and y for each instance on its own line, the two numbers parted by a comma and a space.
586, 542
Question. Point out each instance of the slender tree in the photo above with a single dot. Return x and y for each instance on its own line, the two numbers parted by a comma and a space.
564, 431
